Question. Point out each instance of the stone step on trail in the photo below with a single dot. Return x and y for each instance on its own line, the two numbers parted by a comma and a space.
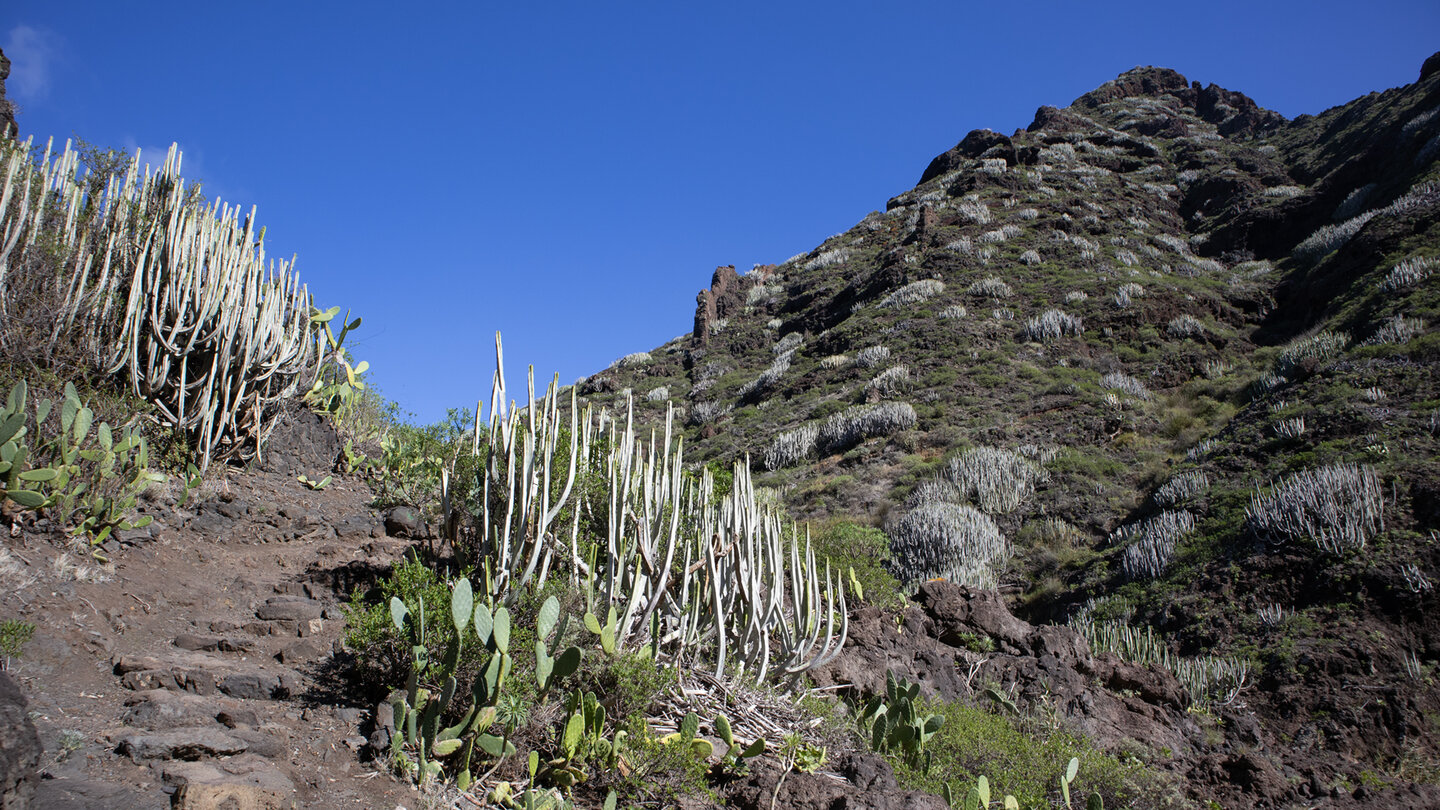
290, 608
185, 742
160, 709
244, 782
203, 675
198, 643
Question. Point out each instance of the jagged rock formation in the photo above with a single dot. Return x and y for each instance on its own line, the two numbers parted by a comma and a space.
8, 127
725, 297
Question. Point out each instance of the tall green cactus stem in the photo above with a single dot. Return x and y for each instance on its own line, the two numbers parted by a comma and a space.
516, 533
175, 296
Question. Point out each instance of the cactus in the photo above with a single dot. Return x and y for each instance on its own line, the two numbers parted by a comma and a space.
893, 721
755, 603
419, 711
722, 729
582, 739
90, 480
175, 296
1067, 778
331, 394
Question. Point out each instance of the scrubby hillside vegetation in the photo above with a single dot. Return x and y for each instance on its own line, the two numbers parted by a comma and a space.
1159, 366
1102, 462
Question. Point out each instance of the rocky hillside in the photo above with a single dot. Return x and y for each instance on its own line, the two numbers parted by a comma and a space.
1160, 365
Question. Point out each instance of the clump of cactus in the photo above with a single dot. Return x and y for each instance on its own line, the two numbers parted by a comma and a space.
872, 356
673, 566
998, 480
844, 430
893, 722
1117, 381
173, 296
1209, 679
913, 293
1151, 542
991, 287
948, 541
419, 711
791, 447
1052, 325
1336, 507
1407, 273
1181, 488
86, 475
1315, 348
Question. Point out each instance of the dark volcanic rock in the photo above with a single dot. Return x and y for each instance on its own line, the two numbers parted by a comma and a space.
74, 794
182, 743
404, 521
289, 608
1040, 666
726, 297
972, 146
8, 127
19, 742
302, 443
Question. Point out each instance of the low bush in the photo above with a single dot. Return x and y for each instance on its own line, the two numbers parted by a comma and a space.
382, 655
1336, 507
1019, 760
865, 550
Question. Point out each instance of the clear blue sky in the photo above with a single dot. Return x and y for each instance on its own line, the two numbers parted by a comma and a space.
571, 173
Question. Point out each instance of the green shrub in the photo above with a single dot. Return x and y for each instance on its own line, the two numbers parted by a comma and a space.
1027, 763
14, 634
413, 457
662, 774
382, 654
848, 546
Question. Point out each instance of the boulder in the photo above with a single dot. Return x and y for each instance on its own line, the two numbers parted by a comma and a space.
19, 742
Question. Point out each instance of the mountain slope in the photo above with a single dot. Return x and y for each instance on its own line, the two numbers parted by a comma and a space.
1164, 360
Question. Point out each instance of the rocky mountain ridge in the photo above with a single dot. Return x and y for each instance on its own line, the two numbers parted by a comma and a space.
1138, 365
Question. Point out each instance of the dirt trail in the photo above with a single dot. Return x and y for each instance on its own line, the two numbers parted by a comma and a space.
204, 655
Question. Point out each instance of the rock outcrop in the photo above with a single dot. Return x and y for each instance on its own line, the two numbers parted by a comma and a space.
8, 127
724, 298
938, 646
19, 747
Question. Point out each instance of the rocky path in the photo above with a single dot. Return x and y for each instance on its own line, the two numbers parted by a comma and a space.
199, 669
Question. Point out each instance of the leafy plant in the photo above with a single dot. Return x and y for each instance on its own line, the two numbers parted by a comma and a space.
87, 481
14, 634
337, 390
420, 711
892, 722
314, 485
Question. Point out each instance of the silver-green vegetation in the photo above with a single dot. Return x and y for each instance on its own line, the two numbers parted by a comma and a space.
683, 576
158, 288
